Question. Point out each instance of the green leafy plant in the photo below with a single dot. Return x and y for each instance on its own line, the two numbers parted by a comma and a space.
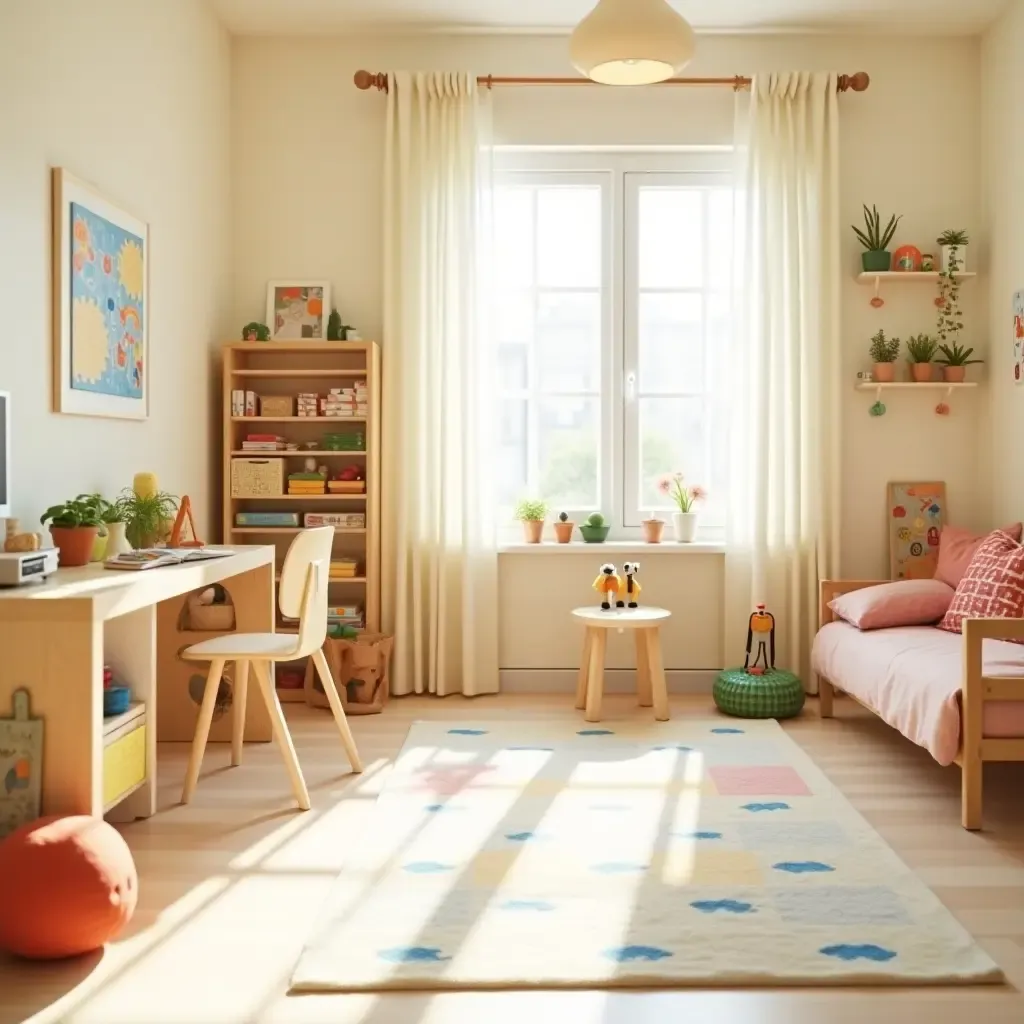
107, 511
873, 238
531, 509
334, 326
595, 519
951, 318
72, 513
884, 350
956, 355
145, 518
921, 348
953, 237
255, 331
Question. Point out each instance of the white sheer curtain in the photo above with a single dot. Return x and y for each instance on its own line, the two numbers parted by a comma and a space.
439, 557
783, 530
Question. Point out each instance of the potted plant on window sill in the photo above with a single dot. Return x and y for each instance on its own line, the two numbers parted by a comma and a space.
921, 349
563, 528
595, 530
876, 257
954, 361
73, 527
686, 499
884, 352
532, 512
654, 528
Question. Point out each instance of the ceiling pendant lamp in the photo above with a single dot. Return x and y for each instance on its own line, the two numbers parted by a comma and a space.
632, 42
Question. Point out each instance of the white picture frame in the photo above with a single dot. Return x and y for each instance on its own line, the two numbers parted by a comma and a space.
300, 325
100, 300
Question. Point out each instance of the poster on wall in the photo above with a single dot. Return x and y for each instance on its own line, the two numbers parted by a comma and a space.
100, 304
1018, 336
916, 514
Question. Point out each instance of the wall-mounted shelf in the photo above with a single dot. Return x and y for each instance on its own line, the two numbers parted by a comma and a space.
941, 409
874, 278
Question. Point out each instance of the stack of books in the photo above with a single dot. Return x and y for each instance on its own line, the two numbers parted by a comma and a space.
308, 403
343, 568
263, 443
306, 483
347, 401
345, 615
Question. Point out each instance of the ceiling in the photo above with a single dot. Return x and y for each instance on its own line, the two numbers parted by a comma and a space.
305, 17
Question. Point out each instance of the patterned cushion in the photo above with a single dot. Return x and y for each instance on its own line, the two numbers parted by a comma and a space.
992, 587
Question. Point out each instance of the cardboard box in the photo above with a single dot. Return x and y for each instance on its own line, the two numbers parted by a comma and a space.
277, 405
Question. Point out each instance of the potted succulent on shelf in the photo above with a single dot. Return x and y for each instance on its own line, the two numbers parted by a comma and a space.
876, 257
954, 251
884, 352
594, 530
563, 528
653, 528
954, 361
148, 516
73, 527
921, 349
684, 522
532, 512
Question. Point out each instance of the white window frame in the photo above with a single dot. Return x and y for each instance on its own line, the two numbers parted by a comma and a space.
618, 483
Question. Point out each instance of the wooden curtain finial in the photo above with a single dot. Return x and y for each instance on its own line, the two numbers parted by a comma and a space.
367, 80
857, 82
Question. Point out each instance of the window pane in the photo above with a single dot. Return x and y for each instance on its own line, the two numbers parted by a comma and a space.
673, 436
513, 236
568, 442
513, 454
513, 325
671, 239
671, 342
569, 237
569, 341
720, 238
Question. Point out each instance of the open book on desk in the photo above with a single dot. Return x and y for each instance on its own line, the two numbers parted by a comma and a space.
153, 558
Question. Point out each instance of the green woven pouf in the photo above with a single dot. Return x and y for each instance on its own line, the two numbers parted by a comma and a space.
776, 694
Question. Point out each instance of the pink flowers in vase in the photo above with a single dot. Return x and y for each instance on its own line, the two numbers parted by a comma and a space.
685, 498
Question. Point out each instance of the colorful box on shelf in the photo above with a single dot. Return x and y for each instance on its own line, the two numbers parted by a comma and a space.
351, 441
346, 486
277, 405
346, 520
267, 519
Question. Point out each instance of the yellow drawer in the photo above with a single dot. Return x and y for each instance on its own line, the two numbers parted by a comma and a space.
124, 764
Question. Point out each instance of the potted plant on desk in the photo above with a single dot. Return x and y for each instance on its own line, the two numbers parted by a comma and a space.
110, 540
148, 517
73, 527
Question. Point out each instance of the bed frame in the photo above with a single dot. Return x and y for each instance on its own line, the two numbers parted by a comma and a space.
977, 688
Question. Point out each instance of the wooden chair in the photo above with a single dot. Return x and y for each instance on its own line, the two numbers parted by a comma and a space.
302, 593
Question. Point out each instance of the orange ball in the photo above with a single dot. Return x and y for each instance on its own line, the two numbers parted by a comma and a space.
67, 886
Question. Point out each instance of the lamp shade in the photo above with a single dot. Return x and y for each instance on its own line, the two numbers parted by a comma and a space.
632, 42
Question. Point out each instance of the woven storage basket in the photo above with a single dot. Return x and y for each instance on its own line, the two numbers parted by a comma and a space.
776, 694
360, 671
257, 478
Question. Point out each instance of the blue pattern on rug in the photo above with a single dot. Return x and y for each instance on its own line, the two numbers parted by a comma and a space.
467, 732
802, 867
628, 954
540, 905
729, 906
696, 835
413, 955
523, 837
595, 732
727, 732
538, 750
427, 867
865, 951
439, 808
774, 805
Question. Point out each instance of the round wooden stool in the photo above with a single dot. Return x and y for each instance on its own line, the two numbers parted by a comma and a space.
650, 672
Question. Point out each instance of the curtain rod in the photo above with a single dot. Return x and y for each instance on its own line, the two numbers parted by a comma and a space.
364, 80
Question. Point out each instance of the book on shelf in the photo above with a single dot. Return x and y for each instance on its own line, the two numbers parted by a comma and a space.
153, 558
266, 519
346, 520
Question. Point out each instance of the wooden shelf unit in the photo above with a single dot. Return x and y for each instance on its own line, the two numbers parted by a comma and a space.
286, 368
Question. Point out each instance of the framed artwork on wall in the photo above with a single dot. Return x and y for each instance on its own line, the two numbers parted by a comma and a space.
1018, 337
100, 304
916, 515
297, 310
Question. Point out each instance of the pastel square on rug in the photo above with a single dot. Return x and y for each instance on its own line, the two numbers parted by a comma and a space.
688, 853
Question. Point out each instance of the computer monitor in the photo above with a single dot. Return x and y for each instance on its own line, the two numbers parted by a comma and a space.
5, 454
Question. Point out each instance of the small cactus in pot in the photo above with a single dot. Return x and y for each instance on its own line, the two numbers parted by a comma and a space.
563, 528
594, 530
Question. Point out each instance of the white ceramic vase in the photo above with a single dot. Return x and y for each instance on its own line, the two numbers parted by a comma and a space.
117, 542
684, 526
961, 257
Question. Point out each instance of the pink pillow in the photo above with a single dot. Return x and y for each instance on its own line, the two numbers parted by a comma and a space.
993, 587
957, 547
903, 603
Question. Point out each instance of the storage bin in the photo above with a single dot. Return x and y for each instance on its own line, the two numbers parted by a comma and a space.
277, 405
257, 478
124, 764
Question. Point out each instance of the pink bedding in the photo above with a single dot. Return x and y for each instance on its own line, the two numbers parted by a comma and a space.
911, 677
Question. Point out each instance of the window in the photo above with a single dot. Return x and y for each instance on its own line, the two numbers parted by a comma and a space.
611, 326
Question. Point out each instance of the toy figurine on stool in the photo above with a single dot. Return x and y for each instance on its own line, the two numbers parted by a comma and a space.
630, 587
608, 585
760, 631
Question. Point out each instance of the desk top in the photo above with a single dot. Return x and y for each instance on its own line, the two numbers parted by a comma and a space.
106, 593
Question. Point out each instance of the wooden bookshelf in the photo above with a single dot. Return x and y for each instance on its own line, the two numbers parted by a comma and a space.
286, 368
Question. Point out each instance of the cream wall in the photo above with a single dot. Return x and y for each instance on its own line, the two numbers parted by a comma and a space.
307, 164
1002, 102
134, 98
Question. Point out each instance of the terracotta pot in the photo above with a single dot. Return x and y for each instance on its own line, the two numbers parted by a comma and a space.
954, 374
563, 531
533, 530
921, 372
653, 529
885, 373
74, 543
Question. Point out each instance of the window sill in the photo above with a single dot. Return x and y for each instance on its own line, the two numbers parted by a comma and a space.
577, 547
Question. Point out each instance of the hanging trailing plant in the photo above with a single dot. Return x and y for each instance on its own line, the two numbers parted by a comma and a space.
950, 320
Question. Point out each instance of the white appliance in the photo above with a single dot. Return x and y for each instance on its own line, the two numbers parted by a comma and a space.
17, 567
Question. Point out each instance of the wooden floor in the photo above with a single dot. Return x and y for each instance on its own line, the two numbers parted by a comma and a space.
232, 884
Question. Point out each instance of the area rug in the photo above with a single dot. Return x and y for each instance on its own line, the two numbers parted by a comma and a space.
687, 853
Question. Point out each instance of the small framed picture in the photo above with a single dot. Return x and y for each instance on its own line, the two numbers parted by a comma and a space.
297, 310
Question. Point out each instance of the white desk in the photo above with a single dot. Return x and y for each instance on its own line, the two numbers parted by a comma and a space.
56, 636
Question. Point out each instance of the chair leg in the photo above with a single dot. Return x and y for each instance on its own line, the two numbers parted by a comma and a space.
595, 676
644, 693
659, 689
238, 710
581, 682
202, 733
347, 740
281, 734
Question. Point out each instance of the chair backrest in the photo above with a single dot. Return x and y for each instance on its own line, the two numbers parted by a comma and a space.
302, 592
